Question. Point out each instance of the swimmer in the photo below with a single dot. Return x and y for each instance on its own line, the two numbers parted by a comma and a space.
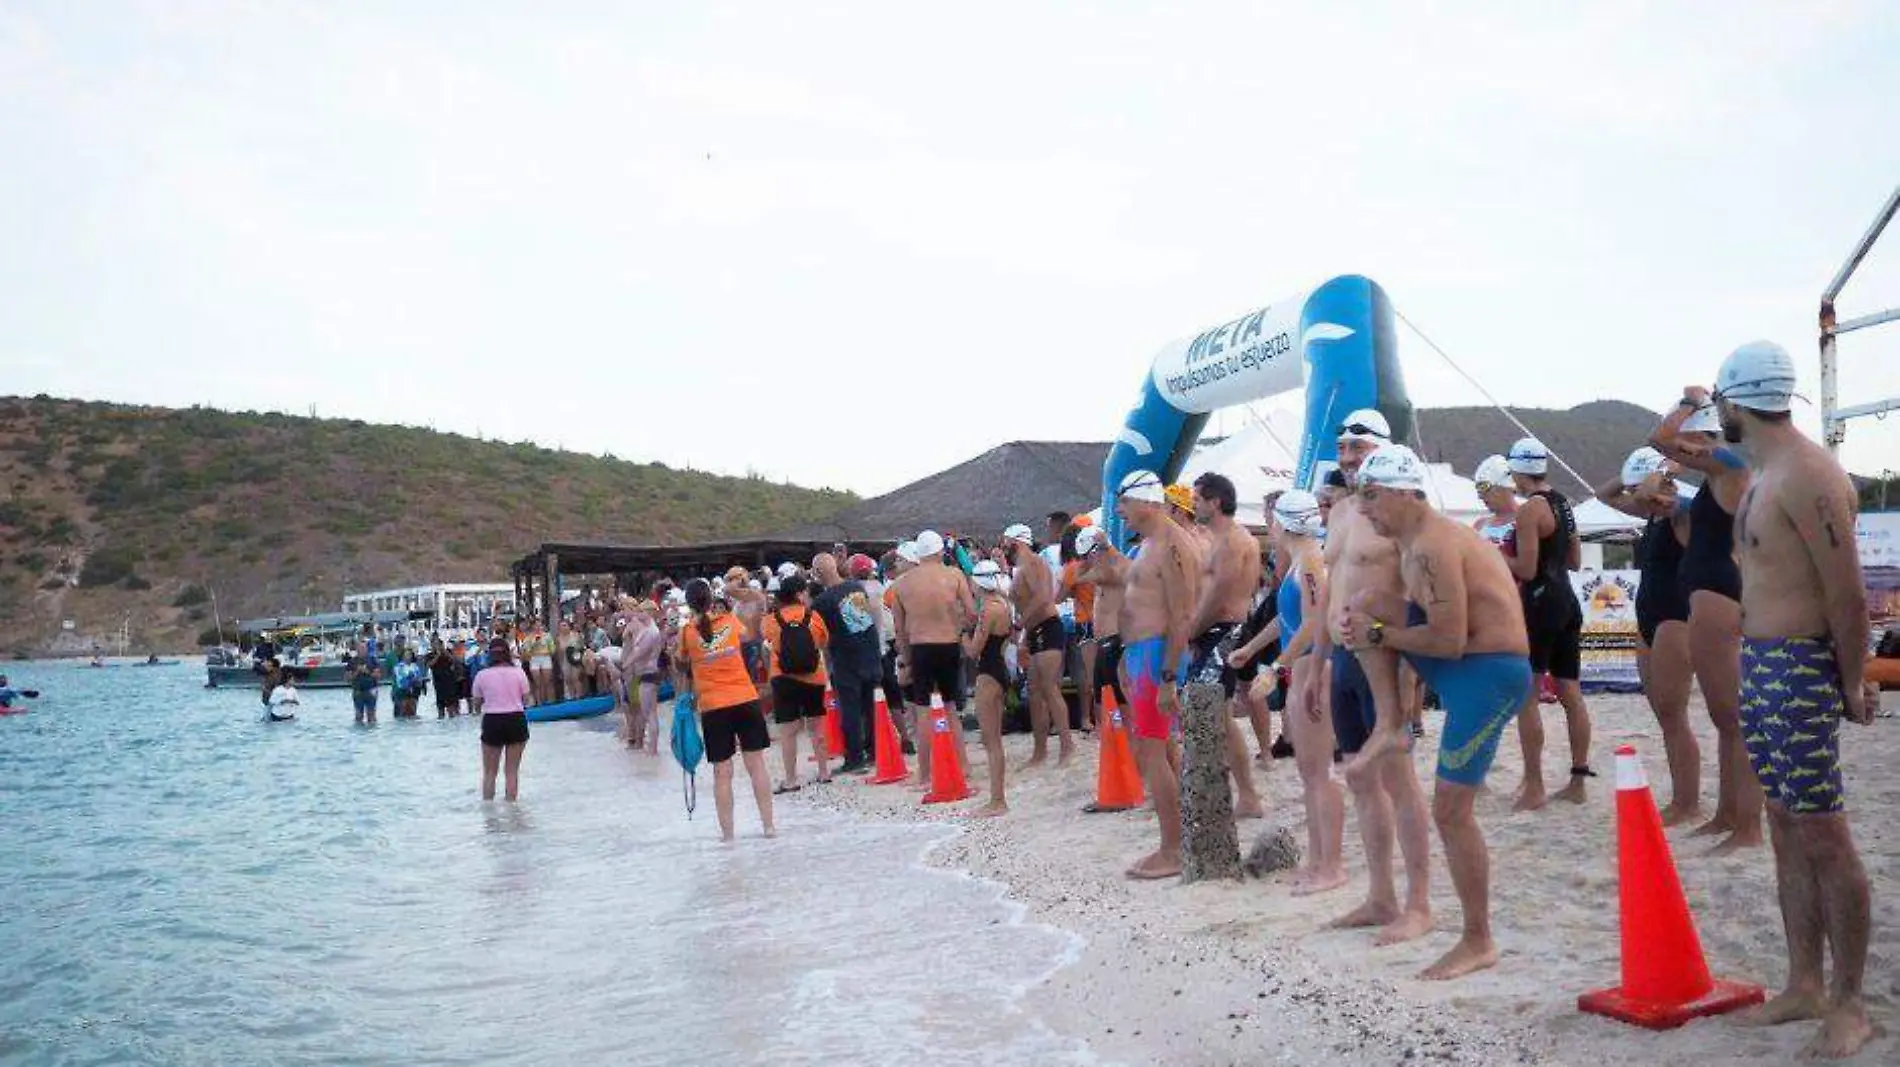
1804, 642
931, 609
1460, 623
1033, 590
1230, 576
984, 645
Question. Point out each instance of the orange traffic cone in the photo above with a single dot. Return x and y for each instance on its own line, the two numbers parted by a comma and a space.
1666, 980
946, 774
890, 751
1117, 782
834, 725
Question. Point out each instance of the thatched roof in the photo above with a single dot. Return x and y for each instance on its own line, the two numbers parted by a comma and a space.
1021, 481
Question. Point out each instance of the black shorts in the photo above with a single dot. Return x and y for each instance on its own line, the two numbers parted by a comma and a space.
447, 697
727, 730
1354, 713
1554, 622
894, 695
937, 669
1108, 662
1047, 636
501, 728
1207, 658
650, 678
793, 700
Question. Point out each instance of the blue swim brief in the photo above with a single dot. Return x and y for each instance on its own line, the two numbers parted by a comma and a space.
1791, 721
1481, 692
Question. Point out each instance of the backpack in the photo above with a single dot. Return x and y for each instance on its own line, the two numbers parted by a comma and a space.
688, 747
797, 648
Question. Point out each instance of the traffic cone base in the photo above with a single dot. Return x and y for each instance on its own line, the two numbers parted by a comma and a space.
1117, 781
891, 768
834, 723
1725, 996
1666, 980
946, 774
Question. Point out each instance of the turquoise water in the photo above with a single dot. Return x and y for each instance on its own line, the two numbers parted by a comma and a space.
183, 884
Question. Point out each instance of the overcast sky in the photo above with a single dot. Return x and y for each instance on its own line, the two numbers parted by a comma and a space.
852, 244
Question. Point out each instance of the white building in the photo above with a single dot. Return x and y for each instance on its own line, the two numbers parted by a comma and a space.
459, 606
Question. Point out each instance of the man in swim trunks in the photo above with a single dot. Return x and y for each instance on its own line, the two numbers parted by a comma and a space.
1804, 643
1157, 605
932, 608
1461, 626
1107, 569
1230, 577
1033, 591
1368, 712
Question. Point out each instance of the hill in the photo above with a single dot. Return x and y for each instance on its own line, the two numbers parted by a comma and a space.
1594, 438
114, 515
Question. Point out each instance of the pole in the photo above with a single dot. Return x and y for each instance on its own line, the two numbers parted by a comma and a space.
551, 598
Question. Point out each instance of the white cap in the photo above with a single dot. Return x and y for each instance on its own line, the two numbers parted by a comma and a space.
1640, 465
772, 586
1298, 512
1393, 467
1020, 532
1145, 486
1088, 539
787, 569
1529, 456
1704, 419
754, 583
907, 551
987, 575
1758, 376
1495, 470
929, 543
1366, 424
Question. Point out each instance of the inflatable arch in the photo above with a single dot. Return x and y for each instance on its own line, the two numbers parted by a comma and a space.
1336, 341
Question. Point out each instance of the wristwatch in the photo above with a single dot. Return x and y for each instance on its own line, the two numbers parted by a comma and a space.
1375, 634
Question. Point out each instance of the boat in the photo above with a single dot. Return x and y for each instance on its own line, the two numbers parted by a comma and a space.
312, 648
578, 708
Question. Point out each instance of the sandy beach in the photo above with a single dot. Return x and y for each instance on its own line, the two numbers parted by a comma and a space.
1245, 973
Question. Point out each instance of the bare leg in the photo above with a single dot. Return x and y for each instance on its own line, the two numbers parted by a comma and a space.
650, 715
1530, 735
511, 769
1844, 904
1039, 712
1247, 802
1311, 726
1805, 996
1577, 723
1373, 809
1667, 676
722, 797
1715, 628
788, 752
1085, 681
989, 714
1047, 676
1386, 796
761, 789
1165, 787
820, 748
491, 762
1413, 820
1454, 810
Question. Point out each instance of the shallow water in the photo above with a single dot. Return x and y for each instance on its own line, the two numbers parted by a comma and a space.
180, 883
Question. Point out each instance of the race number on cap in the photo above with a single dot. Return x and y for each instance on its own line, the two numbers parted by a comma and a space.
1640, 465
1393, 467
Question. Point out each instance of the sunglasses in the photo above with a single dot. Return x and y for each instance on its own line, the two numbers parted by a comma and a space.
1360, 429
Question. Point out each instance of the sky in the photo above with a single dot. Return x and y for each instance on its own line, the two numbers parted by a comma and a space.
851, 244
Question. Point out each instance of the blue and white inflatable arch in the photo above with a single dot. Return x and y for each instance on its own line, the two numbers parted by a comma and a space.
1336, 342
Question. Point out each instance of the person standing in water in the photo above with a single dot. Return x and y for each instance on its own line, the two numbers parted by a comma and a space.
501, 693
1710, 576
1805, 634
713, 663
640, 664
1646, 489
984, 644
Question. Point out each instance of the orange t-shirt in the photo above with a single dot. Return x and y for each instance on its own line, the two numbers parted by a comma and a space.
1084, 592
720, 678
797, 615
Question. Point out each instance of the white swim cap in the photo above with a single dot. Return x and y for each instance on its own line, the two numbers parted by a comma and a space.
1145, 486
929, 543
987, 576
1640, 465
1088, 539
907, 551
1393, 467
1758, 376
1298, 512
772, 586
1704, 419
787, 569
1019, 532
1529, 456
1366, 424
1495, 470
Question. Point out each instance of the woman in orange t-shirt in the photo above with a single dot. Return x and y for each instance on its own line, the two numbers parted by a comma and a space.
713, 660
796, 698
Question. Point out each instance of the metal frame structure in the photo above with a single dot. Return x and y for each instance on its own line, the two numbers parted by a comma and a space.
1833, 416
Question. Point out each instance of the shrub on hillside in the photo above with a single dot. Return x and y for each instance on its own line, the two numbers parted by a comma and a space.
189, 595
133, 581
108, 566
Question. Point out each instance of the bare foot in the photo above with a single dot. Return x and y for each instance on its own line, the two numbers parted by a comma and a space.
1736, 842
1034, 762
1574, 793
1371, 913
1844, 1029
990, 810
1250, 809
1154, 867
1530, 799
771, 831
1067, 753
1789, 1005
1411, 924
1674, 816
1464, 958
1320, 882
1720, 824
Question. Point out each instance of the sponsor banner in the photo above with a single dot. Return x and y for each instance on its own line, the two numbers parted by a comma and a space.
1878, 537
1609, 628
1256, 355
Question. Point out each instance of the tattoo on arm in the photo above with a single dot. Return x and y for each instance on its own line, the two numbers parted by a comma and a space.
1824, 508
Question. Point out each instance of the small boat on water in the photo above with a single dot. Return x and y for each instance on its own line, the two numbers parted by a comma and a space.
154, 661
312, 648
578, 708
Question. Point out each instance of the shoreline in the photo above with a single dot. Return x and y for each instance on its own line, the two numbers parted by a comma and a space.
1219, 973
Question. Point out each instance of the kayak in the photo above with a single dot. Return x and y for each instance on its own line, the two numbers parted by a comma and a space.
158, 663
578, 708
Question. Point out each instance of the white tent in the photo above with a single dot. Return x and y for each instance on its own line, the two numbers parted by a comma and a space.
1256, 458
1601, 522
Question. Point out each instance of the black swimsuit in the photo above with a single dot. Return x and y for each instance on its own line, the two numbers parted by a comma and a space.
1709, 561
1659, 597
1551, 612
989, 662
